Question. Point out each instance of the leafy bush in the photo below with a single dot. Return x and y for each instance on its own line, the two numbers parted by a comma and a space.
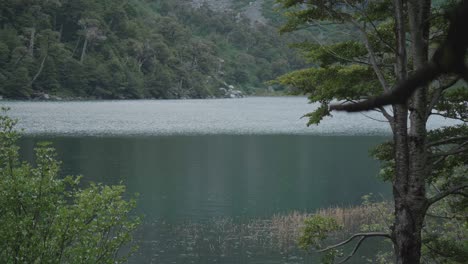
49, 219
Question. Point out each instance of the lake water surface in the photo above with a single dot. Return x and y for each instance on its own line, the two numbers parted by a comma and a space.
257, 115
210, 171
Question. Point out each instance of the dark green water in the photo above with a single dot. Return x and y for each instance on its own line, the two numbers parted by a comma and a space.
188, 184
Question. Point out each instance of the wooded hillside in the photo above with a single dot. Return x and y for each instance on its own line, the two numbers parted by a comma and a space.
135, 49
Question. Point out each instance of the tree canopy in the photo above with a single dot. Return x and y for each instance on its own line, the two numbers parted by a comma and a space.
389, 42
134, 49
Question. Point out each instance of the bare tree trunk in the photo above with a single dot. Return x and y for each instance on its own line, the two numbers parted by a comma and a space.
410, 156
83, 51
60, 33
32, 39
39, 71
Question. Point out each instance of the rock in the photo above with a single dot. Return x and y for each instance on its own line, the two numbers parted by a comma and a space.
56, 98
230, 92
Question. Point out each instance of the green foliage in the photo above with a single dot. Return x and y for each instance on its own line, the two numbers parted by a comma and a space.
134, 49
342, 70
354, 68
335, 82
316, 231
48, 219
454, 103
447, 229
385, 154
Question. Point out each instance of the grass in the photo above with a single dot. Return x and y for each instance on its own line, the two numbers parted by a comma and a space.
225, 236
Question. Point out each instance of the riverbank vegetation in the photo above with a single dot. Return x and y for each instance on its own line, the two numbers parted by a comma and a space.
272, 238
135, 49
50, 219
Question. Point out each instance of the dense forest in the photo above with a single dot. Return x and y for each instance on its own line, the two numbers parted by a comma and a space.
137, 49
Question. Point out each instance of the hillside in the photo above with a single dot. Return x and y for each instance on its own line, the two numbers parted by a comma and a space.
133, 49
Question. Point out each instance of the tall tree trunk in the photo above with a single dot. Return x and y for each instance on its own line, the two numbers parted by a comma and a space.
410, 155
32, 39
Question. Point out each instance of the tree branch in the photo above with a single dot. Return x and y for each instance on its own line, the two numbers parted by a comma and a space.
438, 94
354, 250
458, 149
447, 116
372, 58
374, 27
448, 59
336, 55
442, 195
399, 95
446, 141
365, 235
386, 115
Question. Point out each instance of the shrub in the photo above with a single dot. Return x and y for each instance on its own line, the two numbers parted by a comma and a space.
50, 219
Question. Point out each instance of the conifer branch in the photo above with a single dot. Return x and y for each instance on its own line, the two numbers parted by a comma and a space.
448, 59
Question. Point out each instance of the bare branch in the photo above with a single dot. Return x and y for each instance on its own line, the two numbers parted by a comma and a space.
372, 58
366, 235
446, 141
386, 114
375, 119
447, 116
448, 153
438, 94
354, 250
459, 149
442, 195
374, 27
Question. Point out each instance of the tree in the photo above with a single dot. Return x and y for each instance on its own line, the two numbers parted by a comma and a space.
375, 63
91, 32
49, 219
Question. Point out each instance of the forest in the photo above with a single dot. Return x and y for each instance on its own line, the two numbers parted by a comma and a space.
135, 49
373, 170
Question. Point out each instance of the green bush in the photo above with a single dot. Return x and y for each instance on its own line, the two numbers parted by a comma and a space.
48, 219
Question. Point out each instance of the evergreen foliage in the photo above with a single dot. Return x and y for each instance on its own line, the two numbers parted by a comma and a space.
369, 65
133, 49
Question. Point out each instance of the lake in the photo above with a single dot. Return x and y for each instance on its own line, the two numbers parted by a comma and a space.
211, 172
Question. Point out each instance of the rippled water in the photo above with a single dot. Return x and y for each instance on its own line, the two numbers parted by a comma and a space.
256, 115
212, 198
212, 174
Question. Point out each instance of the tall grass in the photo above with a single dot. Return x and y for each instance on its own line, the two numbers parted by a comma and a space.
222, 236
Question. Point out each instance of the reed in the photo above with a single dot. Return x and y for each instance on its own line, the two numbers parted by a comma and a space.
278, 233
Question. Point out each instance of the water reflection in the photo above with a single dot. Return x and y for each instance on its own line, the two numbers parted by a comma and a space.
194, 181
